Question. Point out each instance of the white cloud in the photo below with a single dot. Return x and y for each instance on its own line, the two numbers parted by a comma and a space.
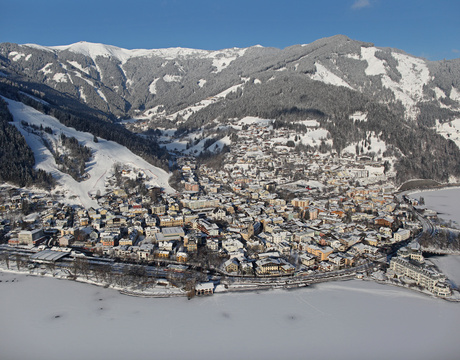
359, 4
456, 51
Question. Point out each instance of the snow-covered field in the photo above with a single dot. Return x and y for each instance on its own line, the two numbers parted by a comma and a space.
105, 155
446, 202
45, 318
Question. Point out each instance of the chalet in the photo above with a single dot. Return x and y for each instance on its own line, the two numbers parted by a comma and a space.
231, 265
181, 257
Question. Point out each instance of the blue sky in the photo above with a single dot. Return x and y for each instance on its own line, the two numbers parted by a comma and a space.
427, 28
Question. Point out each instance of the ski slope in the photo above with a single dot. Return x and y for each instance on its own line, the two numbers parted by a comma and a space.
105, 155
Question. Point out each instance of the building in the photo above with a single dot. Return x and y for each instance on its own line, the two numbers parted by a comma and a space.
422, 276
307, 259
320, 252
204, 289
231, 265
401, 235
30, 237
267, 266
181, 257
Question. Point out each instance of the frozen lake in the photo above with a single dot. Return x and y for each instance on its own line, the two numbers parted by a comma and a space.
45, 318
446, 202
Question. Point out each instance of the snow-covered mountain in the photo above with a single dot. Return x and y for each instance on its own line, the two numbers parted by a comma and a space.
170, 81
357, 91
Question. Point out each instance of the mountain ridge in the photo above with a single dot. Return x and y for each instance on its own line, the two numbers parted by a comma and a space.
329, 80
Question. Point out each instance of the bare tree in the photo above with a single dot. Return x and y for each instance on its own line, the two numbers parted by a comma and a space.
83, 266
51, 266
19, 261
6, 258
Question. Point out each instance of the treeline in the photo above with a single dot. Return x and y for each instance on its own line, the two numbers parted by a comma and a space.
16, 158
442, 240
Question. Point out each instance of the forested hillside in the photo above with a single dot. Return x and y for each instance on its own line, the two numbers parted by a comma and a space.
16, 157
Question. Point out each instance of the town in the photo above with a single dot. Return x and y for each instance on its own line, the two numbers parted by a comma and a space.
264, 213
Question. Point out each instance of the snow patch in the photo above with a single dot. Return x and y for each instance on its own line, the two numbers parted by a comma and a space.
153, 86
309, 123
324, 75
45, 69
439, 93
172, 78
94, 50
374, 145
455, 94
414, 72
82, 94
79, 67
201, 82
353, 56
16, 56
101, 94
257, 81
223, 58
415, 75
60, 77
375, 66
359, 116
38, 47
313, 137
249, 120
219, 144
